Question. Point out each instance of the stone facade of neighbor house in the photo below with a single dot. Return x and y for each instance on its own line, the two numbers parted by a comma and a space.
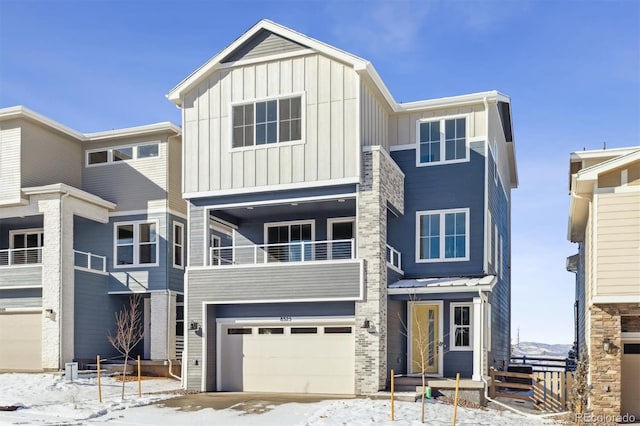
604, 219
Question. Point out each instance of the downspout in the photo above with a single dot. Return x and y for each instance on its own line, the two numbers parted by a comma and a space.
168, 339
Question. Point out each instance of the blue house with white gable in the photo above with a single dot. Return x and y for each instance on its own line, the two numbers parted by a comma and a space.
86, 221
335, 234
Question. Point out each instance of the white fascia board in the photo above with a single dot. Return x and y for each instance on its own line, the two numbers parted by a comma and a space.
66, 189
623, 298
198, 75
164, 126
471, 98
20, 111
596, 153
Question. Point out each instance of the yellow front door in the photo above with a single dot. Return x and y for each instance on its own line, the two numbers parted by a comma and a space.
424, 338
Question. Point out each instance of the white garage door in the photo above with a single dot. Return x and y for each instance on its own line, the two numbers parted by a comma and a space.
630, 401
21, 337
310, 357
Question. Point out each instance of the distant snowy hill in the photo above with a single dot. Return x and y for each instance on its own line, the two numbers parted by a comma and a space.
540, 349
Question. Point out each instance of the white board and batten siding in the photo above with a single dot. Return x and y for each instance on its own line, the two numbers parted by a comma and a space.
403, 126
10, 133
328, 151
618, 244
374, 116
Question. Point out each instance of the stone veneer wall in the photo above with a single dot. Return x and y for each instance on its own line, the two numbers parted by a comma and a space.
382, 182
605, 369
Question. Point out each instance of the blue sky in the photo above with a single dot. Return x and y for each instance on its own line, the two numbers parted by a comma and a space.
572, 70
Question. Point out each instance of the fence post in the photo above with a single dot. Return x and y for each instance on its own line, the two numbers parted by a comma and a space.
99, 387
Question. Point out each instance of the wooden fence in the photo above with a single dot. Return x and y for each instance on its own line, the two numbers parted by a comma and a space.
548, 390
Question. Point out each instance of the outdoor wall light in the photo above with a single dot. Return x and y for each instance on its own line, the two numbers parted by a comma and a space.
607, 346
366, 324
194, 325
49, 313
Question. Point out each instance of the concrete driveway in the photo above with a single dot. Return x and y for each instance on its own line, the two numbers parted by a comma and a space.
247, 402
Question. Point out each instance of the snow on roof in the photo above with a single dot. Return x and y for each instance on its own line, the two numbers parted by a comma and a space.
443, 285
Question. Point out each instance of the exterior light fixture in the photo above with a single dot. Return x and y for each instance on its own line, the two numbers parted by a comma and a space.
366, 324
607, 346
194, 325
49, 313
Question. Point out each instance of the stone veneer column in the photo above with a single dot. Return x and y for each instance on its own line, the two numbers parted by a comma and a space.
57, 283
605, 369
381, 182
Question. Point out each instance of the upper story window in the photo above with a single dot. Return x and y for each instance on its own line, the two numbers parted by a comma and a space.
122, 153
178, 245
442, 235
26, 245
136, 244
285, 241
267, 122
442, 141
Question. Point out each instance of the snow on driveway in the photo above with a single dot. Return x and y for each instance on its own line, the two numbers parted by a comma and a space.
48, 399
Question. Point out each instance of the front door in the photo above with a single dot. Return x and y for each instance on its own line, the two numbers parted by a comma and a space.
630, 401
425, 338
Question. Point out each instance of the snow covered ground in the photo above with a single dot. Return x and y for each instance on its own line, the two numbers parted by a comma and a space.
47, 399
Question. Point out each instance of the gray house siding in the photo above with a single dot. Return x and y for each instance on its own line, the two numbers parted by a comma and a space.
21, 298
17, 276
500, 298
98, 238
447, 186
292, 281
264, 43
94, 316
581, 298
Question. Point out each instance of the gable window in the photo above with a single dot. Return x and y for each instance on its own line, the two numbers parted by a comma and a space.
267, 122
122, 153
442, 235
136, 244
460, 326
178, 245
289, 241
442, 140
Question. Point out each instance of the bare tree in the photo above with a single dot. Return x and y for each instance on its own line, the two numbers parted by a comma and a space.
129, 331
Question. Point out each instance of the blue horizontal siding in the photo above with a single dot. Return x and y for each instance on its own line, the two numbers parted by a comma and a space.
447, 186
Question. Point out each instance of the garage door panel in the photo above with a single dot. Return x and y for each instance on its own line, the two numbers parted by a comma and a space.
21, 337
300, 362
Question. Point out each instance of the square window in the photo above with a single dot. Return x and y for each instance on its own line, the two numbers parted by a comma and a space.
442, 235
135, 244
441, 140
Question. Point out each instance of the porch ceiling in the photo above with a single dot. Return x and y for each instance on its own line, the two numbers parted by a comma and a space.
294, 210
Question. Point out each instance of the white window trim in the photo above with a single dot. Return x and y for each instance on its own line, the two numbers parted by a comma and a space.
38, 231
489, 234
452, 327
253, 101
442, 243
330, 222
175, 244
268, 225
495, 162
136, 244
442, 141
110, 150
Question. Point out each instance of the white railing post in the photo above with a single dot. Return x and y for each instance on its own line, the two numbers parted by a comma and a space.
353, 248
255, 254
88, 260
303, 250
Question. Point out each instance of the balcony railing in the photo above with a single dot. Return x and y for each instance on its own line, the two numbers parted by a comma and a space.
21, 256
89, 261
298, 251
394, 259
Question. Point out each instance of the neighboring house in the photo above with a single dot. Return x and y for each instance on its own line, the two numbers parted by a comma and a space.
604, 219
86, 220
324, 217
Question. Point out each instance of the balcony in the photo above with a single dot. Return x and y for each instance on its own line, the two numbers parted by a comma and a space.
301, 271
21, 256
21, 268
394, 259
89, 262
299, 251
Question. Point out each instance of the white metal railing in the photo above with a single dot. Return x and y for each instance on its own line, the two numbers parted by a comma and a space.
89, 261
298, 251
179, 345
394, 258
21, 256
